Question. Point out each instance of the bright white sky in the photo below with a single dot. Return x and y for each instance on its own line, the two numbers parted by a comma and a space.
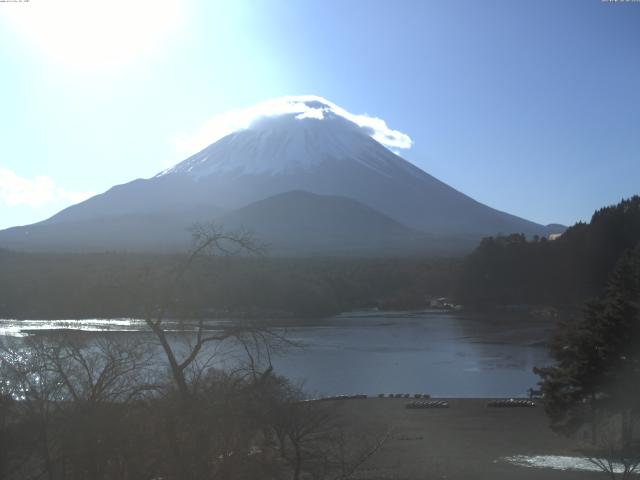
530, 107
93, 35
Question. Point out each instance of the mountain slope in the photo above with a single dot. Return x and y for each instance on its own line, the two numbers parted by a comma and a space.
290, 224
313, 146
326, 153
300, 222
134, 232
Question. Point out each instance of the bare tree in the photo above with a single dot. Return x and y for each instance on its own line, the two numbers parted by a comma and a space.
215, 420
67, 394
317, 439
351, 448
615, 451
208, 240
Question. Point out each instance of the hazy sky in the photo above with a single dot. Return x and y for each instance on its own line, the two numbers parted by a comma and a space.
532, 107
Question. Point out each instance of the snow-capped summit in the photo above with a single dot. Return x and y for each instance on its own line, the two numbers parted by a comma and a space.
294, 133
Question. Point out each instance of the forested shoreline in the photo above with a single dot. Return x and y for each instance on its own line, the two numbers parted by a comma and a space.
114, 285
514, 270
509, 270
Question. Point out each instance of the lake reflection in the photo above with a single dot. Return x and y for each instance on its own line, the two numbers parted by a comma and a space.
443, 354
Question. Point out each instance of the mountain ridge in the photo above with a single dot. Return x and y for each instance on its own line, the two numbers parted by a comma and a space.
311, 147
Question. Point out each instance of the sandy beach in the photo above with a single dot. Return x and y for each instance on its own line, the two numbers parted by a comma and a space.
466, 441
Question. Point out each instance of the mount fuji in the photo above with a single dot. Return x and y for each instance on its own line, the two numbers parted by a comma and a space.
306, 177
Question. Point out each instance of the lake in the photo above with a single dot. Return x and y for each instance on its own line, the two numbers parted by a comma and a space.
440, 353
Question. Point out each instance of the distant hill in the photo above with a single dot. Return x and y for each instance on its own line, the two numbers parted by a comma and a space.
300, 222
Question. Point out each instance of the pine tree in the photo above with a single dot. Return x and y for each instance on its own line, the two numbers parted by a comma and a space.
597, 370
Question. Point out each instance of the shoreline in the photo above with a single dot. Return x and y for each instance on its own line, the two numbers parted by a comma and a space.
528, 312
468, 440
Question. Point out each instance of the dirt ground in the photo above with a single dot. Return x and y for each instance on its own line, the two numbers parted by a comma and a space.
466, 441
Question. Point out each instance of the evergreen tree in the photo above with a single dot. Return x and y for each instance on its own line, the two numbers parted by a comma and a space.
597, 370
511, 270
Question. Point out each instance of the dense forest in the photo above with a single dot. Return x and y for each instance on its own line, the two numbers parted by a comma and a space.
566, 271
122, 285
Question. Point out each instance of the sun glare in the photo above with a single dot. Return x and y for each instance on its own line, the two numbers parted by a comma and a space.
96, 33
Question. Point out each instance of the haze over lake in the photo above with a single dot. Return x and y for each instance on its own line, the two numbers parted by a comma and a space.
440, 353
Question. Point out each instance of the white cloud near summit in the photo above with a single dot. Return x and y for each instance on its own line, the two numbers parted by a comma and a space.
34, 192
306, 106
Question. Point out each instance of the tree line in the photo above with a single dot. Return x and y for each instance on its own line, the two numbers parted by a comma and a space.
515, 270
110, 285
502, 270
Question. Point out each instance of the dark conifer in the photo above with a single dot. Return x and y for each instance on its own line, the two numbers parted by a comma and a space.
597, 370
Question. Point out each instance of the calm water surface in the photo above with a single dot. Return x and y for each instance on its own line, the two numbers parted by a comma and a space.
444, 354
